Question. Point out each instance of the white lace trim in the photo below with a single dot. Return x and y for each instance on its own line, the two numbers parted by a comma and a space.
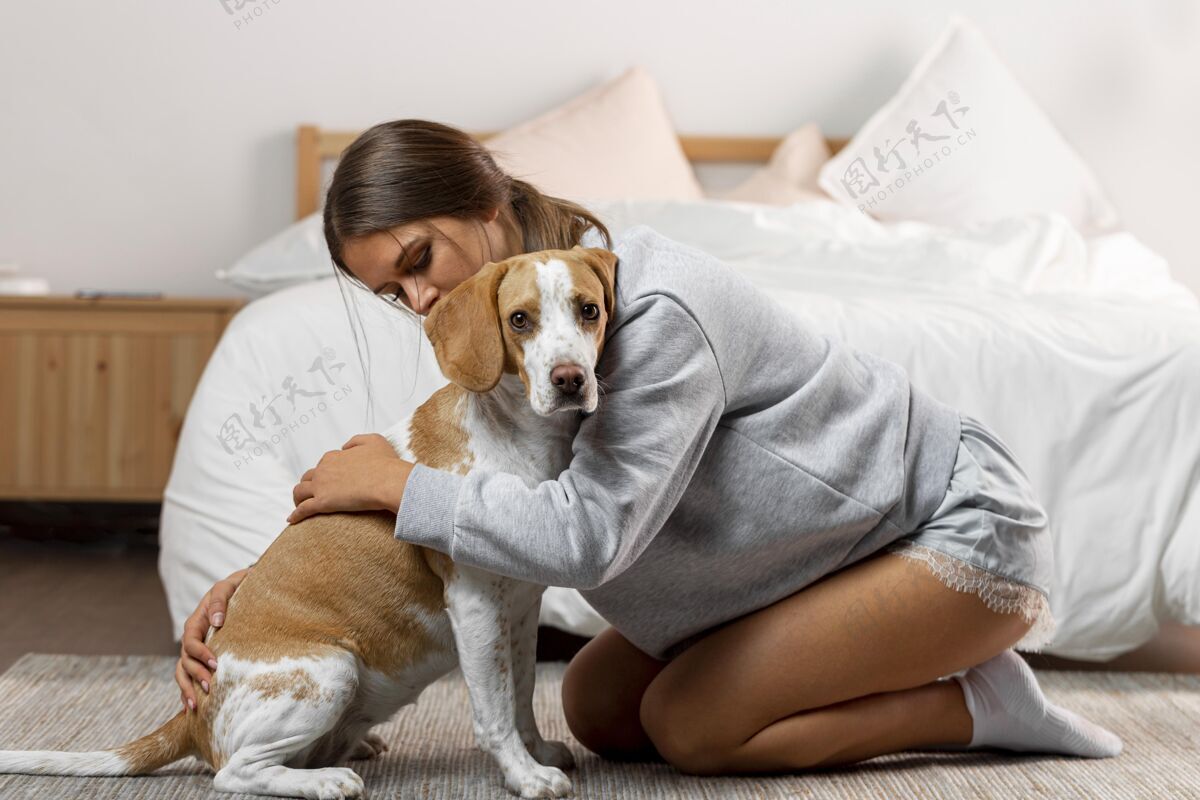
1000, 594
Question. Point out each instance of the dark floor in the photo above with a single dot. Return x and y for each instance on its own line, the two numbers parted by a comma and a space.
76, 581
78, 597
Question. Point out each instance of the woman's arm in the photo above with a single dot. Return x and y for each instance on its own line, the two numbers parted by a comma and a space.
195, 659
633, 459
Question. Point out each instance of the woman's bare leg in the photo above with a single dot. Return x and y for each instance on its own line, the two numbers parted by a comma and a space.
775, 690
605, 683
843, 670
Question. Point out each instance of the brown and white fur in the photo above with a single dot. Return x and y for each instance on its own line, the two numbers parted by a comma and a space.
339, 624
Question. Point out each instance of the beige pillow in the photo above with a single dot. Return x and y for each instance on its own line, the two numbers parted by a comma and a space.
611, 143
791, 174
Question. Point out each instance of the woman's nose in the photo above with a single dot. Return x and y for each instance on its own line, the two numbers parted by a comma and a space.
427, 299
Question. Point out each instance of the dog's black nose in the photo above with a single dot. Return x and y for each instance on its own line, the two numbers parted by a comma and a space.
567, 377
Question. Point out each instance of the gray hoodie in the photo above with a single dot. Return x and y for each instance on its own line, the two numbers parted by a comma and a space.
737, 455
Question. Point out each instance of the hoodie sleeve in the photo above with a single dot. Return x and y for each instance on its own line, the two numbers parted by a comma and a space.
661, 399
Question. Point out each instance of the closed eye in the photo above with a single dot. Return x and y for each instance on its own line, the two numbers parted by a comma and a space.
421, 264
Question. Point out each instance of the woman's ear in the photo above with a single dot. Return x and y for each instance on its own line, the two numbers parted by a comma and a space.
604, 265
464, 328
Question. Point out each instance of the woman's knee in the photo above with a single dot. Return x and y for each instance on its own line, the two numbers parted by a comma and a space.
578, 700
675, 737
601, 693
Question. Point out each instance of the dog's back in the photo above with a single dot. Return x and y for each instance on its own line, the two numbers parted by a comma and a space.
339, 580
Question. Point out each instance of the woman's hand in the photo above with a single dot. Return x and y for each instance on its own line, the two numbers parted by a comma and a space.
366, 474
195, 659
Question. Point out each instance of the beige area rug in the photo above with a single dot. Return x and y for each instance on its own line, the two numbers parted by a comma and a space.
87, 703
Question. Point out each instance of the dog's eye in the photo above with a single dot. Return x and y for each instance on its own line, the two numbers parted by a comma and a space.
591, 311
519, 320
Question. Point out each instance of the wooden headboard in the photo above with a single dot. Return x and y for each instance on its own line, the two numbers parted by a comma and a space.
314, 145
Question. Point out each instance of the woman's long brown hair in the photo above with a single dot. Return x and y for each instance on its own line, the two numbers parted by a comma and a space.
410, 170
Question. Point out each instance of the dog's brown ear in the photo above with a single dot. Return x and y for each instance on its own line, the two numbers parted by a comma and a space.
464, 328
604, 265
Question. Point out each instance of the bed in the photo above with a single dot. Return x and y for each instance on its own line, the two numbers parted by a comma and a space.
1075, 344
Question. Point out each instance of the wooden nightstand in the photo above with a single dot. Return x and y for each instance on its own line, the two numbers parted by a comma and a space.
93, 392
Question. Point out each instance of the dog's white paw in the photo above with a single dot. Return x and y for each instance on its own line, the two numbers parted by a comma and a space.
369, 746
334, 783
539, 782
552, 754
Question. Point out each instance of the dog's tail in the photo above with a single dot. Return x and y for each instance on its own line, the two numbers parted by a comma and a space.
170, 742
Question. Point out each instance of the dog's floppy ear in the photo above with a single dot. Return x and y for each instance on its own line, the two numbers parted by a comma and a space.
464, 328
604, 265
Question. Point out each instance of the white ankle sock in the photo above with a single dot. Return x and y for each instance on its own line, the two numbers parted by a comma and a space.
1010, 712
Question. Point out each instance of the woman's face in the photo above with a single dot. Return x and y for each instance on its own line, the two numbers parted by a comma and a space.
420, 262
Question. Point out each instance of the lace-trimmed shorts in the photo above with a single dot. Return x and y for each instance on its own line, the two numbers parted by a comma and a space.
990, 535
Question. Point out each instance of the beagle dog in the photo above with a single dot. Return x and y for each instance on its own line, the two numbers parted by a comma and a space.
340, 624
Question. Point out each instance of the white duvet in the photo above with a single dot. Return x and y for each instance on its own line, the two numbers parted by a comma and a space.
1083, 355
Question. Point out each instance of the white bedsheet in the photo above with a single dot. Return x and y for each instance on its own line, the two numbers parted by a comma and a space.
1083, 355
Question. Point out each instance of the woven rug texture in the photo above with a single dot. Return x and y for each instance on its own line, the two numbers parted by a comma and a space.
97, 702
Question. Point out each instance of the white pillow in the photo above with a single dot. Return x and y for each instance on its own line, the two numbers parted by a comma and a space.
297, 254
791, 174
613, 142
995, 152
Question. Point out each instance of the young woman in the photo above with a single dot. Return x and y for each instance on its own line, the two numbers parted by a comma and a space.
805, 560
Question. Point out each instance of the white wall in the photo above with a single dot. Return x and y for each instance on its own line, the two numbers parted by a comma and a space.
144, 144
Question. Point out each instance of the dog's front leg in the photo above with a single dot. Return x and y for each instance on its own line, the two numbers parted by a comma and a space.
524, 648
479, 606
